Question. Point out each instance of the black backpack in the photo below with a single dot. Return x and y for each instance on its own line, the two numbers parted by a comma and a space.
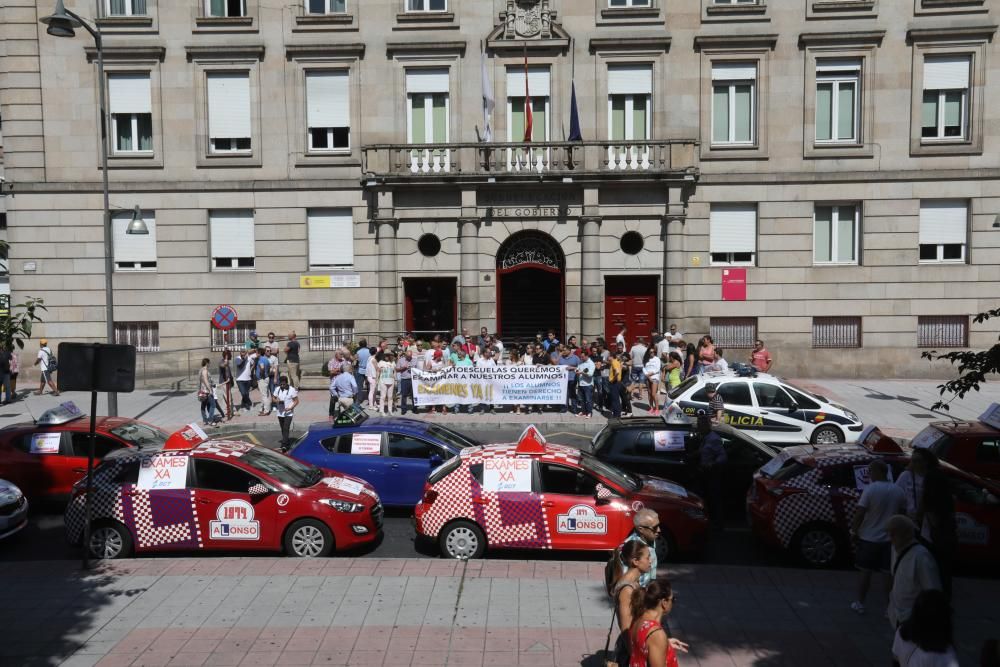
612, 570
53, 363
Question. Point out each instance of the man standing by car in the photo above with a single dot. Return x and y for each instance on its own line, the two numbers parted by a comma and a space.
880, 501
292, 361
712, 458
287, 398
343, 388
913, 569
716, 406
760, 358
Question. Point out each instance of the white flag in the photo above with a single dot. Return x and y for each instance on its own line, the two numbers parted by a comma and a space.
488, 101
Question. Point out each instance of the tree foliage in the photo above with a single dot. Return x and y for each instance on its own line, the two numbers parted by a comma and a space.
15, 328
973, 366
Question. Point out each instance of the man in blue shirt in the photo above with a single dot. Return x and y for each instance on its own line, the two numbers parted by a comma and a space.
551, 342
568, 358
359, 375
646, 524
712, 459
343, 389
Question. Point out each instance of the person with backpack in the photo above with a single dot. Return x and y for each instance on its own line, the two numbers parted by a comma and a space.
646, 530
46, 361
650, 644
635, 557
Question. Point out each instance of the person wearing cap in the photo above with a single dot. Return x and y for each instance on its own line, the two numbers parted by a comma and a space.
286, 398
716, 406
252, 344
44, 361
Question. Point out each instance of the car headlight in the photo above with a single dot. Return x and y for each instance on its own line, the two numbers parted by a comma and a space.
852, 416
342, 505
695, 513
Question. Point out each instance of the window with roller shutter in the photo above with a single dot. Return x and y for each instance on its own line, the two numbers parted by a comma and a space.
130, 106
232, 240
733, 234
734, 103
945, 106
328, 110
134, 252
229, 126
331, 238
630, 90
944, 227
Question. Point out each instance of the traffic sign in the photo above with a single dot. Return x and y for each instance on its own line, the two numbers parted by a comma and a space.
224, 317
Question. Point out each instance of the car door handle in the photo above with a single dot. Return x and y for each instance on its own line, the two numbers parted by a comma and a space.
394, 465
764, 412
79, 470
204, 501
548, 503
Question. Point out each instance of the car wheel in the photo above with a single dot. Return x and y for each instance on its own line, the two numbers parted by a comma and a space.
827, 435
463, 540
108, 540
308, 538
817, 545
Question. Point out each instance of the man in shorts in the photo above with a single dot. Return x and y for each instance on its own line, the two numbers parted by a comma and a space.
879, 502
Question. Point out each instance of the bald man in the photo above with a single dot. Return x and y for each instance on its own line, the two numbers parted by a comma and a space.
646, 529
914, 569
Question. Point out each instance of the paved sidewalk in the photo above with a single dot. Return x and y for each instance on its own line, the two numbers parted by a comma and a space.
900, 407
277, 611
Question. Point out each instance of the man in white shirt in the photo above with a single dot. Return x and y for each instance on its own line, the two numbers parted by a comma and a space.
637, 378
246, 363
914, 569
286, 398
43, 361
486, 361
663, 347
620, 338
880, 501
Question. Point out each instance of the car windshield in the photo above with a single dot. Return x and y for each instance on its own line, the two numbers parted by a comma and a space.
140, 435
616, 475
821, 399
682, 387
286, 470
453, 438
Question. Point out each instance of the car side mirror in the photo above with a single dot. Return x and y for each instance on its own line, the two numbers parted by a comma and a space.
435, 460
793, 407
603, 495
258, 491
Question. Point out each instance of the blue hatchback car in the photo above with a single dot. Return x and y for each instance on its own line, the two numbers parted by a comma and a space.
393, 454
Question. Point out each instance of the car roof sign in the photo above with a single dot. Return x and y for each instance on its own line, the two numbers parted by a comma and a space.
675, 416
61, 414
531, 441
992, 416
875, 441
187, 438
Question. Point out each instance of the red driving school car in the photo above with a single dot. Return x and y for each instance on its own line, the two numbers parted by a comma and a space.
536, 495
191, 494
45, 458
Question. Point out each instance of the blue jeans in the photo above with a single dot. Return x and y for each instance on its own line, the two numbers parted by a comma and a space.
208, 409
587, 396
571, 396
8, 394
244, 386
615, 396
406, 389
359, 378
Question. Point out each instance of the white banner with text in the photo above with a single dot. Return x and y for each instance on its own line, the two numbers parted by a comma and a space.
503, 385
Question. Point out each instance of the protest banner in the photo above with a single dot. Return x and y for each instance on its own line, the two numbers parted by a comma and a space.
502, 385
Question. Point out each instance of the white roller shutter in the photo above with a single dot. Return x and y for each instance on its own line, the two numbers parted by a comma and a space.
328, 99
427, 81
232, 233
843, 65
134, 247
734, 71
733, 228
229, 105
129, 93
630, 79
947, 73
944, 221
331, 237
538, 81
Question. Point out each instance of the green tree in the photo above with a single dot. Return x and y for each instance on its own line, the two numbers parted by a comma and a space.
973, 366
17, 320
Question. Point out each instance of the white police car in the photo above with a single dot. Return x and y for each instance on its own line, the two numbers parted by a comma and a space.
769, 409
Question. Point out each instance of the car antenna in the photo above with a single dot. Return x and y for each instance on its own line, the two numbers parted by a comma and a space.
27, 404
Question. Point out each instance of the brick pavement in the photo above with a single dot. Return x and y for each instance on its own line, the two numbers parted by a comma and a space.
161, 612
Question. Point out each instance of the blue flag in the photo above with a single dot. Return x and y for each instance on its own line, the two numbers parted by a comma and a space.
574, 117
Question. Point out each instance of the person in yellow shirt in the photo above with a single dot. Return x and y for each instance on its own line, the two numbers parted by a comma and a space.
615, 385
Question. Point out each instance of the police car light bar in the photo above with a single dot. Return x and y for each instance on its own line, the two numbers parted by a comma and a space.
185, 439
61, 414
531, 441
992, 416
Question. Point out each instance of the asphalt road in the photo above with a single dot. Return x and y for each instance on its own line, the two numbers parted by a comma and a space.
44, 538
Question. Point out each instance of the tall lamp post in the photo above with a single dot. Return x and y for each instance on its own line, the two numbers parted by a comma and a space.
61, 24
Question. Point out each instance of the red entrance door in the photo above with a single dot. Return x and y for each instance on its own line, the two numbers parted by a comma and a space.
630, 301
430, 305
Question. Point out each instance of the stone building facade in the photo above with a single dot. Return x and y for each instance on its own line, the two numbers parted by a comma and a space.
821, 174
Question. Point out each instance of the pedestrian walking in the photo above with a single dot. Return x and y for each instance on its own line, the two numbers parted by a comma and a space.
286, 397
690, 361
15, 367
914, 569
5, 358
674, 370
585, 385
292, 364
371, 378
650, 646
880, 501
387, 383
226, 380
716, 406
569, 359
362, 355
206, 394
615, 385
760, 358
343, 389
936, 517
625, 396
263, 376
651, 368
46, 363
404, 366
244, 375
712, 459
646, 529
637, 379
636, 560
926, 639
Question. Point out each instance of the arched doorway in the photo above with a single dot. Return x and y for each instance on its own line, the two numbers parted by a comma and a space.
530, 286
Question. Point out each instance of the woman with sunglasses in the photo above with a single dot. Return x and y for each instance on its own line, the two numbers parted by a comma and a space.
650, 645
637, 561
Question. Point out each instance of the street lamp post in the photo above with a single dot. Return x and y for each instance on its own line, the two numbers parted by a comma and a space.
61, 24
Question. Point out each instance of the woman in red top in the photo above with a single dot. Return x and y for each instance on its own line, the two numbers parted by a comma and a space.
706, 353
650, 645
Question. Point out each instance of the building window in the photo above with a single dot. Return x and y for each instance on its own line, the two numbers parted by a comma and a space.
145, 336
326, 6
630, 3
232, 239
427, 118
429, 245
134, 252
733, 332
733, 103
125, 7
835, 235
226, 8
943, 331
733, 234
836, 332
329, 111
631, 243
331, 238
234, 338
131, 113
426, 5
837, 100
945, 109
538, 87
944, 228
330, 334
630, 90
229, 112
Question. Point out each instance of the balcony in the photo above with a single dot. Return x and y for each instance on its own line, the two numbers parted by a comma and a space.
586, 160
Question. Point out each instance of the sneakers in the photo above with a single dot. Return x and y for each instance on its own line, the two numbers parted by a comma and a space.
857, 608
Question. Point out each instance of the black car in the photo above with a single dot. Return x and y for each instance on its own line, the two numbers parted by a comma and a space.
652, 446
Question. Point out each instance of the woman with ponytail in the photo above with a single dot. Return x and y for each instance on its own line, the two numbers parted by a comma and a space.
636, 558
650, 645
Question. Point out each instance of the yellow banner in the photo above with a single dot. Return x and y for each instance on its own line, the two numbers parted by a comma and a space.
307, 282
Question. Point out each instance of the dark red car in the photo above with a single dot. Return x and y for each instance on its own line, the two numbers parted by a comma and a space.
45, 458
972, 446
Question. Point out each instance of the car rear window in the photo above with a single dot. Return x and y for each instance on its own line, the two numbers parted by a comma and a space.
447, 468
783, 467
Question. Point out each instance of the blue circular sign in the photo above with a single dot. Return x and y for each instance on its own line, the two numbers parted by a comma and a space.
224, 317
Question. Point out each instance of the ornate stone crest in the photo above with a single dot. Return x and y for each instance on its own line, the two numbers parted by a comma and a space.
528, 18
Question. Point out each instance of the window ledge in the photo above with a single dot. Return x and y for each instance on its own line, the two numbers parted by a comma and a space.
950, 4
244, 52
425, 21
838, 150
235, 269
630, 13
843, 5
946, 262
313, 159
211, 160
322, 22
755, 12
979, 32
964, 147
138, 161
224, 24
741, 152
293, 51
136, 52
115, 22
730, 41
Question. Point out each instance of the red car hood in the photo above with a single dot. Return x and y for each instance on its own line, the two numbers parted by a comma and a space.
343, 487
